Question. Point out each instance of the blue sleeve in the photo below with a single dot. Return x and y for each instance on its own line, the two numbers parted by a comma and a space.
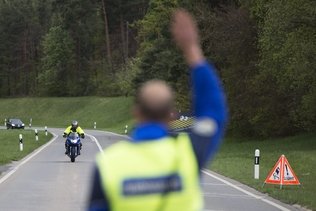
97, 201
209, 102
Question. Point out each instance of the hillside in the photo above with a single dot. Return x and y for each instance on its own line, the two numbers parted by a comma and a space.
109, 113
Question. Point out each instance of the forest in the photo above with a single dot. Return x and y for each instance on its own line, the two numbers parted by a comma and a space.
264, 51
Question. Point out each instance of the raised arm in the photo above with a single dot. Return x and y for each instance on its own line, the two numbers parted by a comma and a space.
209, 102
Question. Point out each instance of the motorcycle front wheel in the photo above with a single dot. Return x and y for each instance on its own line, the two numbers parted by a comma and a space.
72, 154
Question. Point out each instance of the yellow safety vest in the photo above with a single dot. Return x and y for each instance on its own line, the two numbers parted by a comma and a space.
158, 175
78, 130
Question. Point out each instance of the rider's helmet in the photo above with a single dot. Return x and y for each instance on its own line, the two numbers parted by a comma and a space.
74, 124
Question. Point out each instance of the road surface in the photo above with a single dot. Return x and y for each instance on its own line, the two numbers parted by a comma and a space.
47, 180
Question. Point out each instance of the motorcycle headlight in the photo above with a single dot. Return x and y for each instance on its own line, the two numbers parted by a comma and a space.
73, 141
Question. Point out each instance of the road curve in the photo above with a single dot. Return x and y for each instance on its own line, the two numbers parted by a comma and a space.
49, 181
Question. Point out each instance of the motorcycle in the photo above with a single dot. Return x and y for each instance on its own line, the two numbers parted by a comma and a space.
73, 145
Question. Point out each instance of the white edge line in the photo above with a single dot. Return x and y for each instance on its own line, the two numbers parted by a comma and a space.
96, 142
245, 191
125, 136
116, 134
211, 175
29, 157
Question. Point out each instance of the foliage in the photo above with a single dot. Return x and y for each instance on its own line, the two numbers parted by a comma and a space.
230, 42
19, 38
126, 76
56, 63
25, 27
263, 51
287, 43
158, 56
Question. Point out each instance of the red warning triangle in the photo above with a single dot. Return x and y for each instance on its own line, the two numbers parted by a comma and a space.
282, 173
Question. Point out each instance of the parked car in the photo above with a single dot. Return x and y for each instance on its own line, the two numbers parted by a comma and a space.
15, 123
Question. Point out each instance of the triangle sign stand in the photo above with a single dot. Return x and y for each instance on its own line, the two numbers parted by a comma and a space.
282, 174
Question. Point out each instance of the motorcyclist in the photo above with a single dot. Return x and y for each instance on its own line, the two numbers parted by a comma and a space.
74, 127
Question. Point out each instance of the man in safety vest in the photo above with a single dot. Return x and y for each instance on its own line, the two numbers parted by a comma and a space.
157, 171
74, 127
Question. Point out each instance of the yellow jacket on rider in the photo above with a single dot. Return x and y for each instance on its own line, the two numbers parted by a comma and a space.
71, 129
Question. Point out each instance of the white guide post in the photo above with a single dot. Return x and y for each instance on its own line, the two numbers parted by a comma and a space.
36, 135
126, 126
21, 142
256, 169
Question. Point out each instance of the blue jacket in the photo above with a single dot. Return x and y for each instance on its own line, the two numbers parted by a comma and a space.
209, 105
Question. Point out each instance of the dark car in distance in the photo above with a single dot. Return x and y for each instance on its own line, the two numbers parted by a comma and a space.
15, 123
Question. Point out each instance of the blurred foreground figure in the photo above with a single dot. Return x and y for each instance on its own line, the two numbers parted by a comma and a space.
157, 170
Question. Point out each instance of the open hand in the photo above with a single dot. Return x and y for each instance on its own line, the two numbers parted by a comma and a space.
185, 34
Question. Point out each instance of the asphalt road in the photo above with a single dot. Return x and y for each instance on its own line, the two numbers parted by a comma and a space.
47, 180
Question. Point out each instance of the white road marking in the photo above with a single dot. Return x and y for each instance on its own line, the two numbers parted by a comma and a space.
212, 210
225, 195
124, 136
218, 178
213, 184
96, 142
215, 177
116, 134
37, 151
29, 157
245, 191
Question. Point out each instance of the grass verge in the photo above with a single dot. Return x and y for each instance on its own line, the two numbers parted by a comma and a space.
10, 145
111, 113
236, 160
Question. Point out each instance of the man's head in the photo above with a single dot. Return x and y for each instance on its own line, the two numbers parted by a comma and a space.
154, 102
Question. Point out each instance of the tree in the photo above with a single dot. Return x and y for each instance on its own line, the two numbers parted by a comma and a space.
57, 63
287, 43
159, 57
107, 35
228, 35
20, 36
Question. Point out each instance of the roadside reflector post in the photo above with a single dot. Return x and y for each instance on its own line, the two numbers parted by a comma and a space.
30, 125
256, 170
36, 135
126, 126
46, 130
95, 125
21, 142
5, 122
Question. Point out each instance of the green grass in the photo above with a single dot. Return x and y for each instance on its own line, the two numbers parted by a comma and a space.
10, 145
109, 113
236, 160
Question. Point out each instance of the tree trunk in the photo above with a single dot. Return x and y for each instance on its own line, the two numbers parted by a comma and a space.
123, 38
127, 36
107, 36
